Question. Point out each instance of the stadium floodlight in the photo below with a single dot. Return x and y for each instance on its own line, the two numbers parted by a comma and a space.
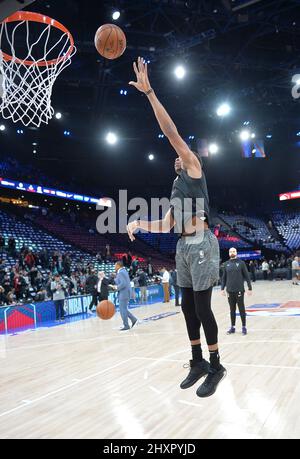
213, 148
245, 135
223, 110
111, 138
180, 72
116, 15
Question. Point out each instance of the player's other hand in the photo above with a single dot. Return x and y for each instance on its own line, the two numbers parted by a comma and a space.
141, 70
131, 228
223, 292
249, 293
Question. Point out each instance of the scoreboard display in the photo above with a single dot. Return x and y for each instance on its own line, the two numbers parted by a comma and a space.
67, 195
289, 195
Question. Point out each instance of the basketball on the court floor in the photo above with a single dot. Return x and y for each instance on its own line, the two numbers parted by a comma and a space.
106, 310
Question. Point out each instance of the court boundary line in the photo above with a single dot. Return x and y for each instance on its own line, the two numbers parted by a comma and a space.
61, 389
103, 338
27, 403
275, 367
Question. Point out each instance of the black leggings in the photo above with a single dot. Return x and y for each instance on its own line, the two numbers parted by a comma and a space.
237, 299
196, 307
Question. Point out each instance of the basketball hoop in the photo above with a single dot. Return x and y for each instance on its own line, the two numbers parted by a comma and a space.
27, 80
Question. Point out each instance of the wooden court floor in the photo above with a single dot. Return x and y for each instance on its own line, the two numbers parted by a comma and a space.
87, 380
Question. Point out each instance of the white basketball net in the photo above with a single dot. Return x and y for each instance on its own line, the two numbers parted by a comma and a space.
27, 89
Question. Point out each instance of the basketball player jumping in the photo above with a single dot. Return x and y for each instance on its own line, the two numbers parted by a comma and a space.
197, 253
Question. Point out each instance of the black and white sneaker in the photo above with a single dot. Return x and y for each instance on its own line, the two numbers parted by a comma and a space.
211, 383
197, 370
124, 328
231, 331
134, 323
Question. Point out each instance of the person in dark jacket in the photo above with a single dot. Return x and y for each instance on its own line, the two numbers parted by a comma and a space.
234, 276
142, 279
91, 289
271, 270
252, 268
102, 286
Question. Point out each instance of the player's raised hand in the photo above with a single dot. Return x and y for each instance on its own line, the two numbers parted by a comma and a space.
141, 70
131, 228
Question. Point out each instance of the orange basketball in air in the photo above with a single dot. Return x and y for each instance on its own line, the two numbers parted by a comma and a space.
106, 310
110, 41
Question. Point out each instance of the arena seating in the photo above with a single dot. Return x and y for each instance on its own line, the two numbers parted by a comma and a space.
89, 240
36, 240
165, 243
253, 229
64, 236
288, 226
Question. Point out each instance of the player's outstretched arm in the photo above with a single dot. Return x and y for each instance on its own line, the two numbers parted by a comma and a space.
164, 120
157, 226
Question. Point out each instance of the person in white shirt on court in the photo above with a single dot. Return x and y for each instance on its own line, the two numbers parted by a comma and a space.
265, 269
296, 271
166, 284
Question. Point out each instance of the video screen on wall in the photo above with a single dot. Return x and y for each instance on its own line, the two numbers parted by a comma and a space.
253, 149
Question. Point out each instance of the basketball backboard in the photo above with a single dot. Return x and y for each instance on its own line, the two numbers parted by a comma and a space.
8, 7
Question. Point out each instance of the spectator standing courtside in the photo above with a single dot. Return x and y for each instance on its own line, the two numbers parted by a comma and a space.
166, 285
295, 271
271, 270
176, 288
252, 268
234, 276
265, 269
58, 287
124, 289
143, 285
102, 287
91, 289
149, 268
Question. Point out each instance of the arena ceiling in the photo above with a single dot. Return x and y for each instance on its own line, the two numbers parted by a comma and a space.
244, 52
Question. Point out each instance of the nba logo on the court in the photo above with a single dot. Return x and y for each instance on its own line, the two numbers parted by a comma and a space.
296, 88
